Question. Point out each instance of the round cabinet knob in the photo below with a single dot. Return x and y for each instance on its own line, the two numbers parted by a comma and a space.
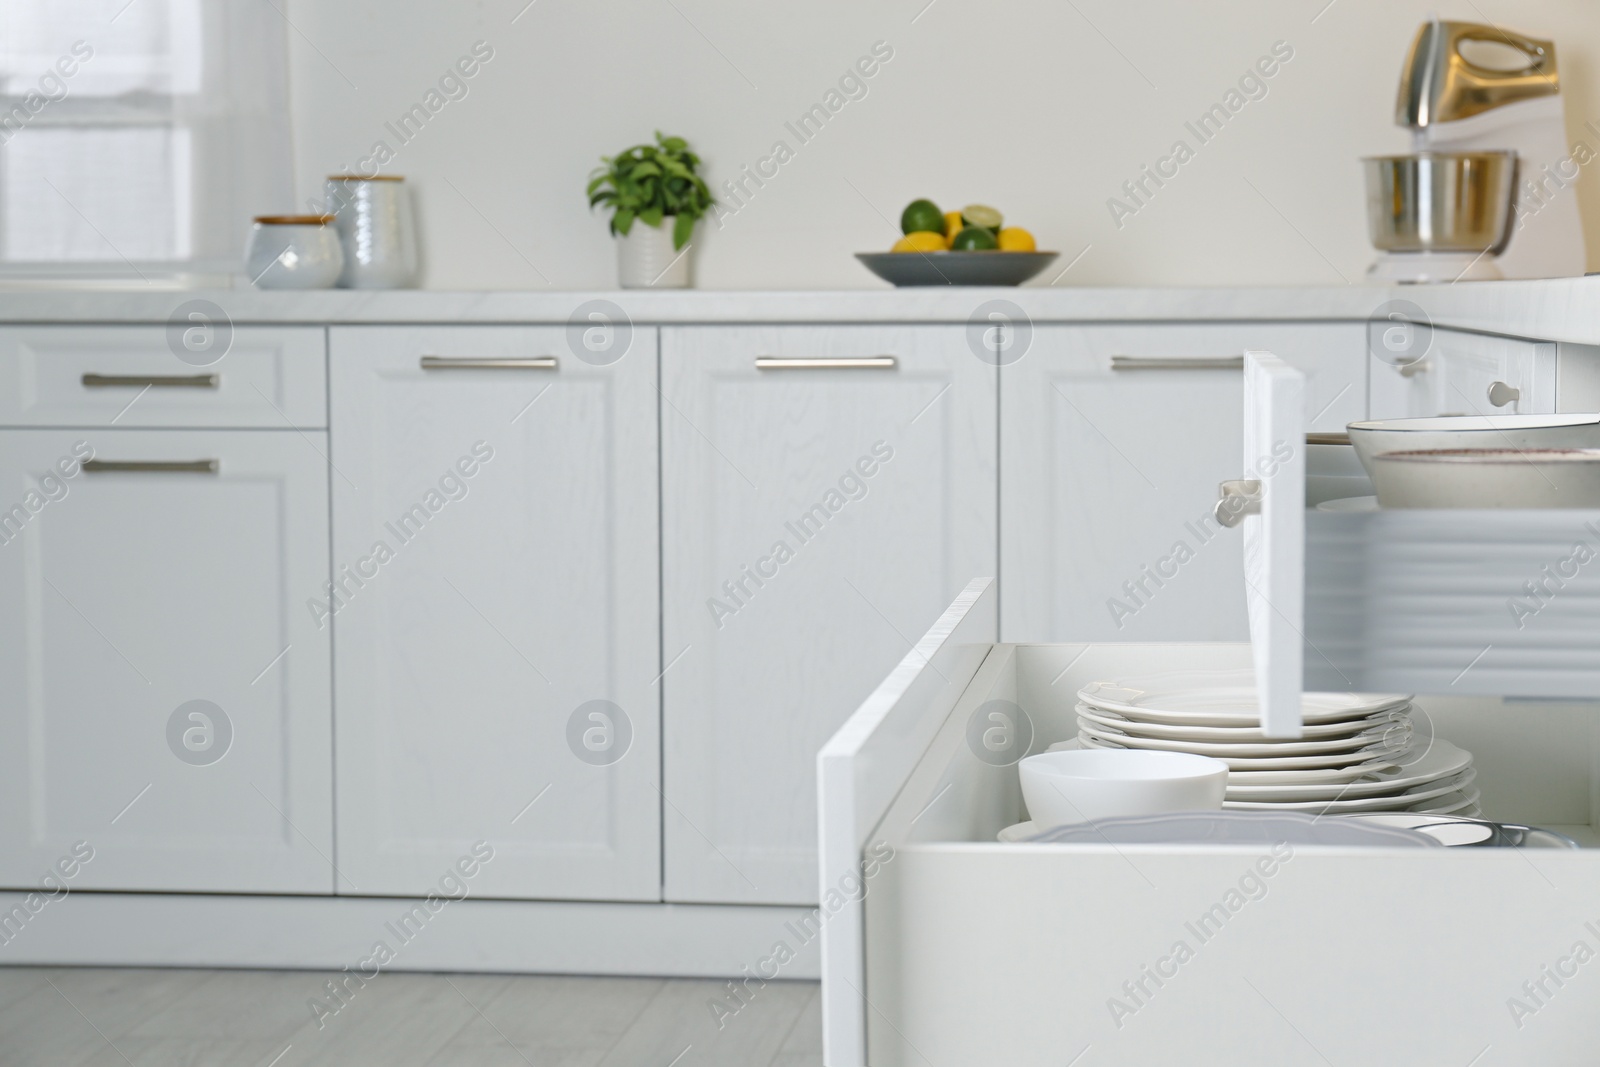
1501, 394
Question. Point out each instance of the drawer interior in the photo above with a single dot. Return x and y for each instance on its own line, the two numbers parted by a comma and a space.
1034, 953
1536, 760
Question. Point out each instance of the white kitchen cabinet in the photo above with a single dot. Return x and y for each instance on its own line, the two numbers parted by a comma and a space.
128, 594
1419, 371
199, 372
496, 569
1113, 440
813, 511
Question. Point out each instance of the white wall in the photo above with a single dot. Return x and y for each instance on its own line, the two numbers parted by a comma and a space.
1028, 105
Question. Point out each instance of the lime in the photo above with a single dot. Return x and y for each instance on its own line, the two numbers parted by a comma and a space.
973, 239
921, 215
984, 216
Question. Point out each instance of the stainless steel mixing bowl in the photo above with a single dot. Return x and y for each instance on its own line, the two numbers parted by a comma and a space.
1441, 201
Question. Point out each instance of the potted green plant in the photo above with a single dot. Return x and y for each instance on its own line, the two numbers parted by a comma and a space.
660, 186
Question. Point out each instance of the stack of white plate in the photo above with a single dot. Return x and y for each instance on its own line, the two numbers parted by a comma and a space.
1360, 752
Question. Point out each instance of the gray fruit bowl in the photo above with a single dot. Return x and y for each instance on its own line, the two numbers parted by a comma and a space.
956, 268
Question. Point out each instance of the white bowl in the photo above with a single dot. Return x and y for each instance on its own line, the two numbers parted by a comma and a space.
1489, 478
1070, 787
1371, 439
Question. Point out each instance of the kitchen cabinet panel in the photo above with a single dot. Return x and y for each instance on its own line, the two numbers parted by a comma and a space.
495, 612
812, 515
1420, 371
195, 372
167, 698
1110, 469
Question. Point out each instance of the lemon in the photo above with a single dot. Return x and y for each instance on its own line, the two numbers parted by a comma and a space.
920, 216
983, 216
920, 241
1016, 239
952, 224
973, 239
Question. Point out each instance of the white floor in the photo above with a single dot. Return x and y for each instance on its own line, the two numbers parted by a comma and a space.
65, 1017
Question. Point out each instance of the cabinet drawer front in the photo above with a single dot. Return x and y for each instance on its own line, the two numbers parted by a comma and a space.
1332, 356
131, 376
177, 572
496, 562
815, 513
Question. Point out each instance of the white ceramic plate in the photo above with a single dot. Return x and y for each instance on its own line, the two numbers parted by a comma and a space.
1221, 698
1464, 803
1269, 763
1236, 734
1382, 740
1289, 776
1206, 829
1412, 800
1442, 760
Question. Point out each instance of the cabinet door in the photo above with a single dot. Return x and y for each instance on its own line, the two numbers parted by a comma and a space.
496, 568
1421, 371
167, 696
813, 519
1111, 466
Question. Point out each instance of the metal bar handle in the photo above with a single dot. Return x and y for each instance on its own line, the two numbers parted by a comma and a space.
159, 466
477, 363
152, 381
862, 363
1173, 363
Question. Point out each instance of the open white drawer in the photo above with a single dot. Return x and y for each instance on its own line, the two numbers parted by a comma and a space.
942, 946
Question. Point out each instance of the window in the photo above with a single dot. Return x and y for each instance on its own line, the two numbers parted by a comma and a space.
137, 137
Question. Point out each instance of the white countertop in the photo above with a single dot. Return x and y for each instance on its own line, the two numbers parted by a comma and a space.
1565, 309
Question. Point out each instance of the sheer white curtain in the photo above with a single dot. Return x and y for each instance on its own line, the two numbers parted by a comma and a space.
137, 137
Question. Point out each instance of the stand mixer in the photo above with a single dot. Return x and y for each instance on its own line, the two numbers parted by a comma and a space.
1486, 140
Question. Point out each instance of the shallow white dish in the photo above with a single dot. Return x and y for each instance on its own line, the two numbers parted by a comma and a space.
1464, 803
1265, 763
1442, 760
1284, 776
1077, 786
1230, 828
1235, 734
1407, 801
1315, 775
1488, 478
1221, 698
1389, 737
1371, 438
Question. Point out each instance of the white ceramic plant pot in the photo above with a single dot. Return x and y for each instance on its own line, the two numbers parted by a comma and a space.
647, 260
